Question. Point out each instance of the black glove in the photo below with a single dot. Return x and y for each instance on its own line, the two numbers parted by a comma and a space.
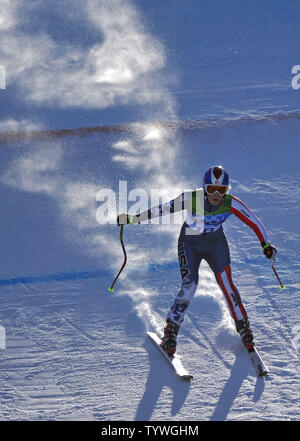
124, 219
268, 250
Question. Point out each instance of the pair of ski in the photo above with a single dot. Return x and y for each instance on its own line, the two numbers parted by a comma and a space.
180, 370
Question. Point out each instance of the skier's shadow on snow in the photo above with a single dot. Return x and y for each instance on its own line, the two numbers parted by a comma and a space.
161, 375
239, 372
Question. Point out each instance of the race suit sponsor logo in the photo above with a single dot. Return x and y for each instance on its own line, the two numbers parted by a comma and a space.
182, 261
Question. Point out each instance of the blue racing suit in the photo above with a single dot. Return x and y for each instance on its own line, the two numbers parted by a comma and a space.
202, 237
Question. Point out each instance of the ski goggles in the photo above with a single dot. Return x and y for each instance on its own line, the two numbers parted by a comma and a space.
212, 189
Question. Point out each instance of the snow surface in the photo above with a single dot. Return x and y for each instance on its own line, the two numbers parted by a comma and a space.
204, 83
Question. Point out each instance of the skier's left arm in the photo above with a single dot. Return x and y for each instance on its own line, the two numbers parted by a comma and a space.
239, 209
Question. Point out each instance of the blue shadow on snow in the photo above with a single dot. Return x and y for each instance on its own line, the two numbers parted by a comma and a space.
54, 277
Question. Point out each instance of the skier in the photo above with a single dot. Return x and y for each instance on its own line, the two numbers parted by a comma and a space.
202, 237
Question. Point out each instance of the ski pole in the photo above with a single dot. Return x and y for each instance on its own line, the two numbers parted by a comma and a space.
111, 289
275, 272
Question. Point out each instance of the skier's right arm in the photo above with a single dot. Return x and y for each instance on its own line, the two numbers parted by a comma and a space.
173, 206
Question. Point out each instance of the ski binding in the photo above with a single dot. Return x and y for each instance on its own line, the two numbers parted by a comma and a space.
174, 360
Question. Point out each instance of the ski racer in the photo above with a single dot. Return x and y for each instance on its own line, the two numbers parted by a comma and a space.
202, 237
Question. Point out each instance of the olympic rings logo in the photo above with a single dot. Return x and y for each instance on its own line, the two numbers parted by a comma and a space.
214, 219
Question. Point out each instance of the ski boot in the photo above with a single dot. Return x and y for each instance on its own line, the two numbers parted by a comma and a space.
168, 342
243, 328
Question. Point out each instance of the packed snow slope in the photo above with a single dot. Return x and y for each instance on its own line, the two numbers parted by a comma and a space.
210, 86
